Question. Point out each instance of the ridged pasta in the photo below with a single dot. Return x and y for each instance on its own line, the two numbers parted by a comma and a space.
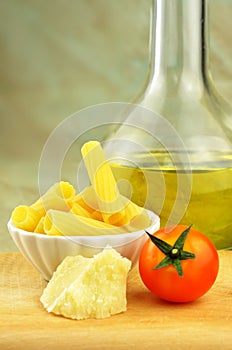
139, 222
97, 215
80, 210
68, 224
40, 226
58, 196
87, 199
98, 210
103, 182
25, 217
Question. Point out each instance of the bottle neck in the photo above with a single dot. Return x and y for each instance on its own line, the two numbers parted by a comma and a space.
179, 43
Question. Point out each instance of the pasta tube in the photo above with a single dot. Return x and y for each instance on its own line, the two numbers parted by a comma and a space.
97, 215
85, 204
87, 199
40, 226
103, 182
132, 210
68, 224
80, 210
25, 217
139, 222
58, 196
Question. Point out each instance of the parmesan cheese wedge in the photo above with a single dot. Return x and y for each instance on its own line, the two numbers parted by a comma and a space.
84, 288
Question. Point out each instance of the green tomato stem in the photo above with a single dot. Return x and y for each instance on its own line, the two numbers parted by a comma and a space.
173, 254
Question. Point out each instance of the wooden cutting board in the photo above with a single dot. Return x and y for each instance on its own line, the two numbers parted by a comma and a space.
149, 323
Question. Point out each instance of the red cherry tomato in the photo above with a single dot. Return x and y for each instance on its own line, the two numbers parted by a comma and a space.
197, 271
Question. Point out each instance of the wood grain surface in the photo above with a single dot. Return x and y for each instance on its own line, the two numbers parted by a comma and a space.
148, 323
58, 57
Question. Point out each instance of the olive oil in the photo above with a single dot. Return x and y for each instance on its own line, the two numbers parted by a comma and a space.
201, 197
179, 109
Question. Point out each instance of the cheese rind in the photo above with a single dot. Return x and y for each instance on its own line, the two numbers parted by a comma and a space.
88, 287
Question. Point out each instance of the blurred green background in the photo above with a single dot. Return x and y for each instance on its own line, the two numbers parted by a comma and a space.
59, 56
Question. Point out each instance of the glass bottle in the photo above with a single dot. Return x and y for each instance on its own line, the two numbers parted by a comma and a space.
177, 161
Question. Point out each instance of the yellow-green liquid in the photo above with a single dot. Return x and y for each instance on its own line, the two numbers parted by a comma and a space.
201, 197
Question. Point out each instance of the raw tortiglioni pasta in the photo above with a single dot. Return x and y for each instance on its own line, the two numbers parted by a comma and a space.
25, 217
63, 223
103, 182
58, 196
98, 210
40, 226
87, 199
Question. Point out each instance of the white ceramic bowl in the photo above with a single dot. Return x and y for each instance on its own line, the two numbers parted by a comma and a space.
45, 253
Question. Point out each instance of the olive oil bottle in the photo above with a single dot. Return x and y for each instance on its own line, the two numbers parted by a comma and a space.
178, 115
